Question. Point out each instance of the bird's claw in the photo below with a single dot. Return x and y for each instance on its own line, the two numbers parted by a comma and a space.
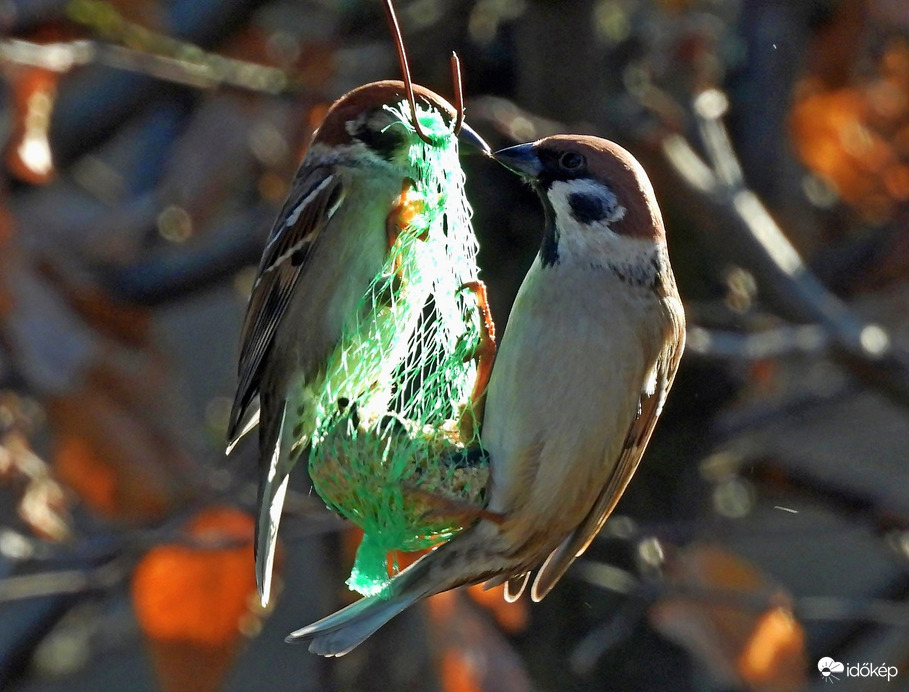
485, 354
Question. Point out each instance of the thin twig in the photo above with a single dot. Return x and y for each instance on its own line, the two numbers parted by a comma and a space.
208, 71
806, 608
458, 92
710, 106
64, 582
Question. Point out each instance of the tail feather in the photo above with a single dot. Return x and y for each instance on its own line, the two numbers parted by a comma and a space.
276, 462
515, 586
460, 562
271, 506
553, 569
341, 632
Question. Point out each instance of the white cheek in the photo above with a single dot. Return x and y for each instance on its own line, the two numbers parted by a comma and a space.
596, 245
594, 242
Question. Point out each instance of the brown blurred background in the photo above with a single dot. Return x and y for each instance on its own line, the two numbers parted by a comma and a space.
147, 145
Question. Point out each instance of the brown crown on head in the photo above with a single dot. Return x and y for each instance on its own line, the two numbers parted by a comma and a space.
375, 94
614, 166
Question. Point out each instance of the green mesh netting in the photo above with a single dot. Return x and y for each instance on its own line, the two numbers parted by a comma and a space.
387, 438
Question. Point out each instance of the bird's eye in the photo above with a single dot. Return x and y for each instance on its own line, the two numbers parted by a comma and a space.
571, 161
382, 140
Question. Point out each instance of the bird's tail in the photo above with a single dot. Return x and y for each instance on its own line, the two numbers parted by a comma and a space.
346, 629
460, 562
271, 505
343, 631
276, 461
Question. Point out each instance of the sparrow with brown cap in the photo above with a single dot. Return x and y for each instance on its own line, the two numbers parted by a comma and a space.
329, 241
592, 346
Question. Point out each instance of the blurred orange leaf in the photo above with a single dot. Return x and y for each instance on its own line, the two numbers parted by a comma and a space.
852, 131
833, 139
199, 593
91, 479
741, 645
8, 256
777, 640
458, 673
120, 441
194, 601
107, 457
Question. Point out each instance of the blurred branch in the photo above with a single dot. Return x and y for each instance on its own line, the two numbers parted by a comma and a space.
606, 637
814, 608
94, 101
175, 273
122, 556
779, 342
194, 68
119, 553
64, 581
709, 603
118, 569
760, 245
23, 15
510, 121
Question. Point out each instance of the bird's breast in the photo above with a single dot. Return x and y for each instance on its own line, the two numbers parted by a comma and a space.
563, 394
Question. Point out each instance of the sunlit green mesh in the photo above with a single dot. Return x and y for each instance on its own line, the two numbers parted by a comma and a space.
387, 436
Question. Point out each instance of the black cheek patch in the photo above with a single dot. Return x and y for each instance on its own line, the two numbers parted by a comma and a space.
587, 209
549, 250
384, 143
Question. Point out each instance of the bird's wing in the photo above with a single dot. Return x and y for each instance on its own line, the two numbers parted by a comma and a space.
636, 441
315, 195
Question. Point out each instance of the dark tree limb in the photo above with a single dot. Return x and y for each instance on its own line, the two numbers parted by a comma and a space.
751, 237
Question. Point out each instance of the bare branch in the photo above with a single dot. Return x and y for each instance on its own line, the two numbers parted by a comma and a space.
780, 342
27, 586
754, 238
204, 71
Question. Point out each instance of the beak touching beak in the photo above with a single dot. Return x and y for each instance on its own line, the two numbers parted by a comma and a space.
469, 137
521, 159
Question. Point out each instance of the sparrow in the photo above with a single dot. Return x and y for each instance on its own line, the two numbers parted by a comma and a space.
330, 239
587, 359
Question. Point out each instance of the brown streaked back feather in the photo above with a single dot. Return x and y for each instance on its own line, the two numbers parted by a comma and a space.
315, 194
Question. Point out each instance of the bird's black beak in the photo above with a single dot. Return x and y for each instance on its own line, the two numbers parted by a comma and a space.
469, 137
521, 159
